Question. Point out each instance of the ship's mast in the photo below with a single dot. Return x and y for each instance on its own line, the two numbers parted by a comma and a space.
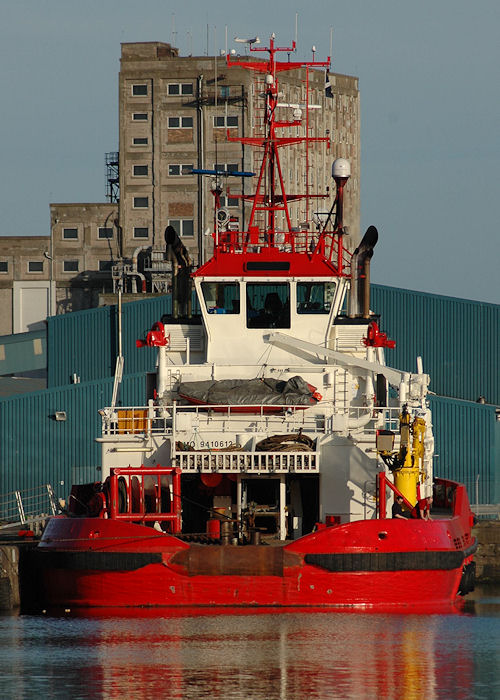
273, 198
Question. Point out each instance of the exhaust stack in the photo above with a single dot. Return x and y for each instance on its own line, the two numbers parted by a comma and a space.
360, 276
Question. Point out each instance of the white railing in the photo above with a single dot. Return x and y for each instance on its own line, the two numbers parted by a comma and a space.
244, 461
166, 420
172, 419
27, 506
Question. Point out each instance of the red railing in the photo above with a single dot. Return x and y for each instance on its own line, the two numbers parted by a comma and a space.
328, 245
136, 495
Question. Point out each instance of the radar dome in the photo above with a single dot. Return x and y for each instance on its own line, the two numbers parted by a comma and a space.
341, 168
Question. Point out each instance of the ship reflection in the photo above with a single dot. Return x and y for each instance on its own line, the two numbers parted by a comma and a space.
324, 655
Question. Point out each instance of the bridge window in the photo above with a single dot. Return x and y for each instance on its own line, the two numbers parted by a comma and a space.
268, 305
315, 297
221, 298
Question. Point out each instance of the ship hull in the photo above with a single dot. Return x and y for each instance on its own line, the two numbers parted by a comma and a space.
407, 565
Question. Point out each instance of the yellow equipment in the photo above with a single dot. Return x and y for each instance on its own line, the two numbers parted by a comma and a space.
407, 463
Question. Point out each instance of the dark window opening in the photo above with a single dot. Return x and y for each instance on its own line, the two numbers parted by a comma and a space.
35, 266
71, 266
221, 298
105, 232
315, 297
268, 305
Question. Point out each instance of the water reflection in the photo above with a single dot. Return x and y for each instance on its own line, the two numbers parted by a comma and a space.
259, 656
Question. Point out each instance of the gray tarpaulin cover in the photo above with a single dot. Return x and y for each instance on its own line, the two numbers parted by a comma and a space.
250, 392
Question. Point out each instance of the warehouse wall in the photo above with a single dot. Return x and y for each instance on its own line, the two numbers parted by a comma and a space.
37, 449
457, 339
467, 446
85, 343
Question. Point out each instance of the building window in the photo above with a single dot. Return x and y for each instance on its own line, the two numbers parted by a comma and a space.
180, 122
105, 232
4, 266
184, 227
105, 265
226, 167
141, 89
141, 202
141, 232
35, 266
226, 201
180, 169
71, 266
140, 116
70, 233
140, 141
226, 121
140, 170
224, 91
180, 89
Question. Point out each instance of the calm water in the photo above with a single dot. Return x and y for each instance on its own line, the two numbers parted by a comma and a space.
259, 656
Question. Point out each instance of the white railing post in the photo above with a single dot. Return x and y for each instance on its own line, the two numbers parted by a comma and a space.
20, 506
52, 499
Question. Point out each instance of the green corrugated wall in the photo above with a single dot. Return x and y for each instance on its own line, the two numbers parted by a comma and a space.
85, 343
36, 449
457, 339
467, 446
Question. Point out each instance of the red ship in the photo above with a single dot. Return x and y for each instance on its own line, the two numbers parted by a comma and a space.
262, 467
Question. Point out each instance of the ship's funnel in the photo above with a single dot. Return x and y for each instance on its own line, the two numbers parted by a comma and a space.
181, 253
360, 276
181, 281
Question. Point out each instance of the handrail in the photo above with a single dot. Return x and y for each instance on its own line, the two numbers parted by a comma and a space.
156, 515
162, 419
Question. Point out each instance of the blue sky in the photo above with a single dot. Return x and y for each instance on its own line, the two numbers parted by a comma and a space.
430, 106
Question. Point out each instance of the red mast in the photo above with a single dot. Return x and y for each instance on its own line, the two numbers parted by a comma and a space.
275, 198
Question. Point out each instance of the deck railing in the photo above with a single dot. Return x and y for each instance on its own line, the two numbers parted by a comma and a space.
247, 461
28, 506
172, 419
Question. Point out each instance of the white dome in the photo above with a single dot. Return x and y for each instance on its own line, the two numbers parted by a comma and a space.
341, 168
